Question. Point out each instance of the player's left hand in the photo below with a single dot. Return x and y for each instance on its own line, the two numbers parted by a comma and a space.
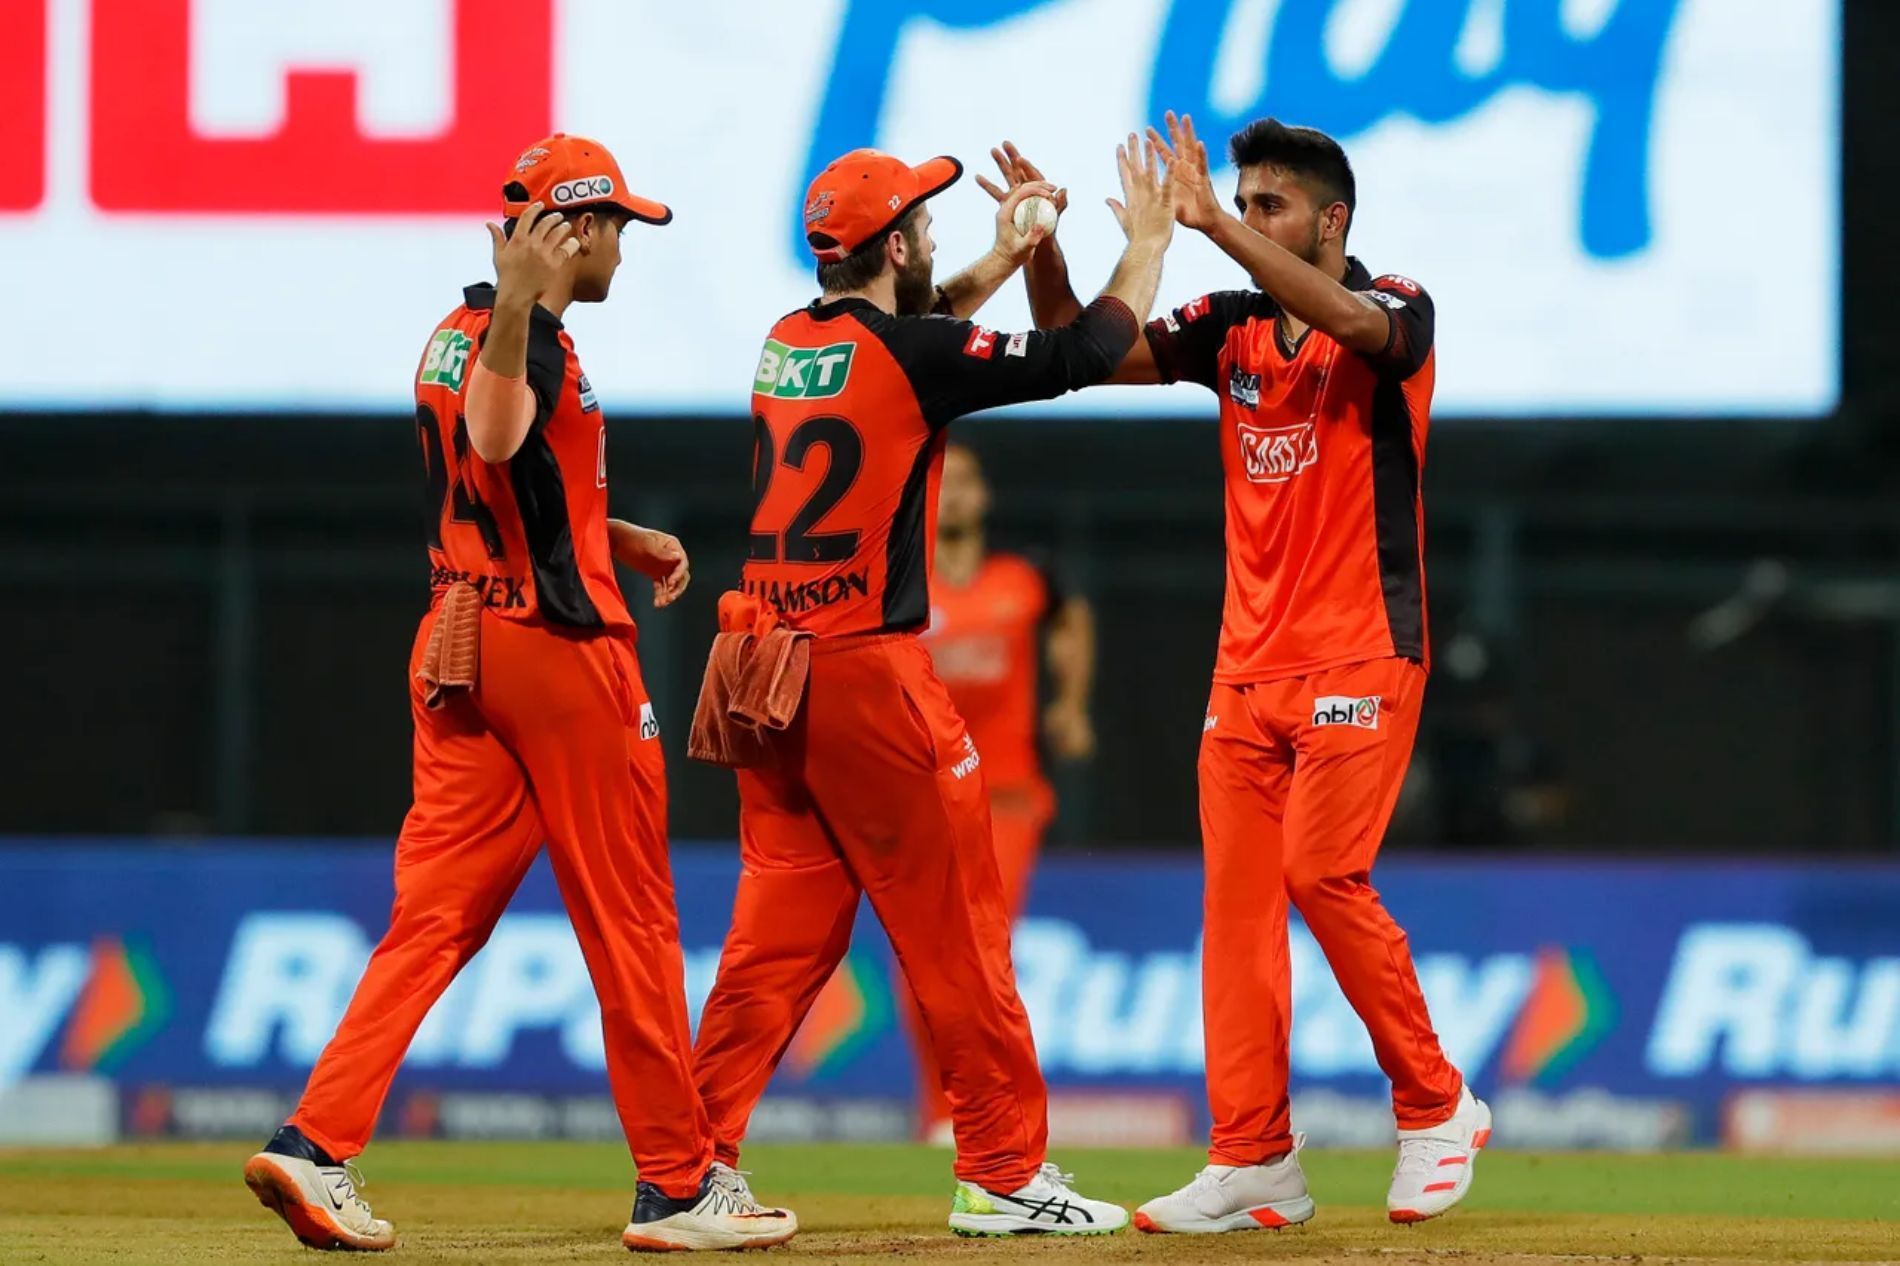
657, 555
1196, 206
1070, 733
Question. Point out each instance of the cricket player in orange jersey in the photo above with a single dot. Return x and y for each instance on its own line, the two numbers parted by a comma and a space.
1324, 375
876, 786
532, 726
996, 619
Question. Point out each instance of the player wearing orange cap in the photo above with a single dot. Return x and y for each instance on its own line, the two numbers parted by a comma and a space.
875, 786
532, 725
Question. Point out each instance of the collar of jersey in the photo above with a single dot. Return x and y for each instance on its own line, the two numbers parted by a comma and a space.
481, 295
824, 309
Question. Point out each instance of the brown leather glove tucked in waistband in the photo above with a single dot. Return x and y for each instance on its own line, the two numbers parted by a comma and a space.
454, 653
754, 685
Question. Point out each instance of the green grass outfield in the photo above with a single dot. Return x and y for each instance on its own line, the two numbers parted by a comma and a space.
566, 1202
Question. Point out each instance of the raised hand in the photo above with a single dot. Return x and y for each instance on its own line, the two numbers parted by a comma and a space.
1012, 243
528, 261
1146, 209
1018, 170
1196, 205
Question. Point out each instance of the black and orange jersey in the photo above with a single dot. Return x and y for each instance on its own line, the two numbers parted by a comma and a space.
849, 406
1323, 450
985, 639
530, 532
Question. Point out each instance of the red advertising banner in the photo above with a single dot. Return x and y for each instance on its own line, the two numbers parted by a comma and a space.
147, 156
22, 104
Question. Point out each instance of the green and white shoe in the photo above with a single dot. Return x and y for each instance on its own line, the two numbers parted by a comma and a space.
1045, 1205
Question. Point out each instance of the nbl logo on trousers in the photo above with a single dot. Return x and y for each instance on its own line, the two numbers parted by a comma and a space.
1361, 714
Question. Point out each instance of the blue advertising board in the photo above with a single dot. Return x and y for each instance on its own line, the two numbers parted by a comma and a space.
228, 964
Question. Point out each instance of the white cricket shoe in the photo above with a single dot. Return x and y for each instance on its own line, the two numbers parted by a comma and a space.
319, 1202
1234, 1198
1045, 1205
1434, 1170
722, 1215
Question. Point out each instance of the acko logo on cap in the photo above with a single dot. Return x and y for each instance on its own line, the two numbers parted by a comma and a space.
582, 189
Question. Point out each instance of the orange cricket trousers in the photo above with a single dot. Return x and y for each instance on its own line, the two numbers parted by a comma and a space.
877, 789
1298, 778
1019, 815
548, 746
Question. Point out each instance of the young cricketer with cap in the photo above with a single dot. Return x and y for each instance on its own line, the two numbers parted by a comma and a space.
869, 782
532, 725
1324, 373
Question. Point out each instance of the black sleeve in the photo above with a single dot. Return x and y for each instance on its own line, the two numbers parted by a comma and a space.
1409, 310
1187, 341
547, 363
958, 367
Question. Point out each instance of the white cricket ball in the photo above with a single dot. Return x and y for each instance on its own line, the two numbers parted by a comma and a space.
1033, 212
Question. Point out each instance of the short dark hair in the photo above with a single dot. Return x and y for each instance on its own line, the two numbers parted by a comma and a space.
861, 267
1307, 153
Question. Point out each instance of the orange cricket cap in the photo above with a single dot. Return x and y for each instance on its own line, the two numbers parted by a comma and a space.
571, 173
863, 194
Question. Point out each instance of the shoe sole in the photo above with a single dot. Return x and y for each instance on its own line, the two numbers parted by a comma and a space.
687, 1241
999, 1230
1266, 1217
279, 1191
1411, 1217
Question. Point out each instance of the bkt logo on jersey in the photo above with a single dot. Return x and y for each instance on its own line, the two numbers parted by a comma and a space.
1274, 454
802, 373
446, 361
1361, 714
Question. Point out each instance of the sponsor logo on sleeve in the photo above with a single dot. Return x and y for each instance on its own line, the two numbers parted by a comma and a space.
1194, 310
1361, 714
1397, 282
589, 402
802, 373
446, 361
981, 343
1385, 297
1018, 344
649, 728
971, 761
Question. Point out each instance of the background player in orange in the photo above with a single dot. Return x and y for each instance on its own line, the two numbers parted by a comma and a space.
1325, 382
995, 620
532, 725
876, 787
